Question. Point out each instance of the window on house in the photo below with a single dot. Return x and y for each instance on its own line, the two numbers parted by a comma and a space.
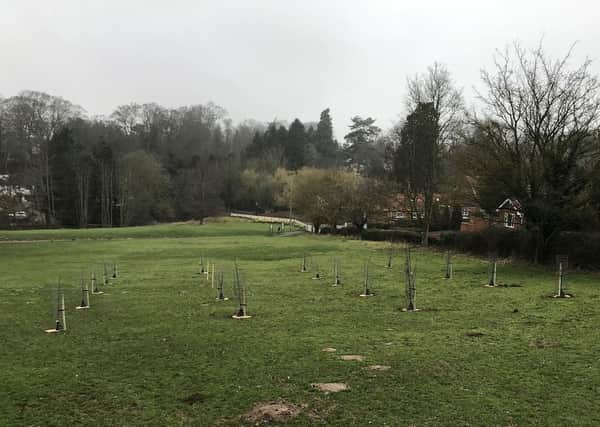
465, 213
398, 215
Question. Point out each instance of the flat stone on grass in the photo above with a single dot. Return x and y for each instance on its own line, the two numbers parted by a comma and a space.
329, 350
544, 344
276, 411
353, 357
331, 387
378, 367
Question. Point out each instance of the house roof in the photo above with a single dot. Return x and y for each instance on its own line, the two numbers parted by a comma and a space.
513, 204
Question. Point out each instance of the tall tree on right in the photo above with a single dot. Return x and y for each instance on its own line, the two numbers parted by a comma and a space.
537, 137
326, 146
416, 163
437, 87
361, 150
435, 120
296, 142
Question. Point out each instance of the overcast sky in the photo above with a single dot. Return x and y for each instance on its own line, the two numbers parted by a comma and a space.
271, 59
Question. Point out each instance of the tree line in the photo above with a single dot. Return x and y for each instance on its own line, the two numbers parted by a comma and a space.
148, 163
533, 136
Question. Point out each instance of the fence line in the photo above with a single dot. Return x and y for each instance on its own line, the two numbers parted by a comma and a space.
273, 219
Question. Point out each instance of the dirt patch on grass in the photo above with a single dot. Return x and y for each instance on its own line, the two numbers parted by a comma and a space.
474, 334
353, 357
277, 411
329, 350
331, 387
378, 368
544, 344
192, 399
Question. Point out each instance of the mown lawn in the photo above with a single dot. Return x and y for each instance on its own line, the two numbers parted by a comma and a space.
157, 336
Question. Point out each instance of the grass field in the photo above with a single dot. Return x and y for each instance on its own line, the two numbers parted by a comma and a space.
157, 336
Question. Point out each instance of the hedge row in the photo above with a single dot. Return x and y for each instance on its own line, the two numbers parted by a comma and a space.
505, 243
391, 235
583, 249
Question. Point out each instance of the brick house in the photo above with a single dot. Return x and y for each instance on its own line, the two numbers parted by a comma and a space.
508, 214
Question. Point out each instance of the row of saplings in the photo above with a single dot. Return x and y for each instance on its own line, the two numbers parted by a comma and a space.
239, 289
208, 269
411, 278
60, 322
367, 291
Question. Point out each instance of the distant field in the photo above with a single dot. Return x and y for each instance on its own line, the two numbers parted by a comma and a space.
234, 227
157, 349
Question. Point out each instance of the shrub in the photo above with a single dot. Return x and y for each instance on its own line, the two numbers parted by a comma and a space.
582, 248
395, 235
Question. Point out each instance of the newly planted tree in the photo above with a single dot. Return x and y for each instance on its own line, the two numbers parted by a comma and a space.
337, 272
390, 255
240, 292
60, 322
562, 263
449, 270
303, 266
94, 284
493, 270
105, 274
220, 286
201, 265
367, 292
411, 283
316, 271
85, 295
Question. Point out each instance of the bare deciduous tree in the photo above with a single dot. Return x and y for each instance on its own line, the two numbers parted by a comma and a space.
537, 134
437, 87
32, 118
435, 92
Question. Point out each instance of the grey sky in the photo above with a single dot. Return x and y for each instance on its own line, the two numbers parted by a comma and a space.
271, 59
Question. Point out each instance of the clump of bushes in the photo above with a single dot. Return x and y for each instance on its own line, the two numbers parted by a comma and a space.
395, 235
506, 243
582, 248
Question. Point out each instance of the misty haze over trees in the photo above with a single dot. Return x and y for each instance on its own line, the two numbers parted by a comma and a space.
534, 137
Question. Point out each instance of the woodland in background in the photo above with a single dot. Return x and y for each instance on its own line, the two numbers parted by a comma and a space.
147, 163
535, 137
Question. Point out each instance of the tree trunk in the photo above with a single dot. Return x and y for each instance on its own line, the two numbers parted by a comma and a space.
425, 239
106, 194
428, 202
51, 213
124, 191
103, 183
83, 188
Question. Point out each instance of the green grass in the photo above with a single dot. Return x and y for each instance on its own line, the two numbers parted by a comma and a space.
158, 335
